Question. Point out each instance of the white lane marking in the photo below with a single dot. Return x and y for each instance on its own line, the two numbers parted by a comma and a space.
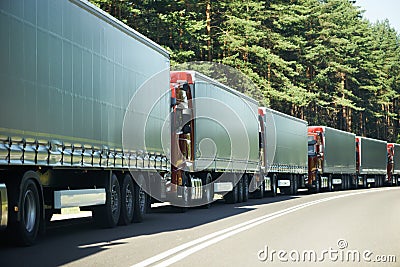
101, 244
215, 237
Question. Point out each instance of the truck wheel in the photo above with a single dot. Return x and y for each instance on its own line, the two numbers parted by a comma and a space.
261, 191
380, 181
317, 188
108, 214
355, 181
295, 185
376, 182
208, 191
127, 201
140, 206
29, 202
289, 190
274, 185
330, 187
364, 179
240, 190
344, 182
232, 196
245, 188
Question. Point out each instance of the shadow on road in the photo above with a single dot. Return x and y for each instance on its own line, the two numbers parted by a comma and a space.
71, 240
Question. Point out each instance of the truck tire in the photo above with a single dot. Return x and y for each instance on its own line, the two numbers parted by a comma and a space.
377, 181
259, 193
294, 185
355, 182
245, 188
240, 190
289, 190
344, 182
330, 186
140, 203
208, 191
30, 209
232, 196
127, 200
274, 186
108, 215
317, 187
381, 181
365, 184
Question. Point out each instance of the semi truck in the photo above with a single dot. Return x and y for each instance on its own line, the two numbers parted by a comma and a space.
283, 152
88, 101
331, 159
393, 164
93, 118
68, 72
371, 161
214, 139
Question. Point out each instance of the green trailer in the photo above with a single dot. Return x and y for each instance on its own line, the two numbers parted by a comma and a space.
371, 161
69, 73
214, 139
284, 152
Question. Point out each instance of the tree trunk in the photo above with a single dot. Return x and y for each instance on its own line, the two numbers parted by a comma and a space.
208, 29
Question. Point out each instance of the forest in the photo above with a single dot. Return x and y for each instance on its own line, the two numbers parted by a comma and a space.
318, 60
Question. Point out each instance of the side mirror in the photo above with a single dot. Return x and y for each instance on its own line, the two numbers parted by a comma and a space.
173, 102
186, 129
312, 154
312, 142
185, 87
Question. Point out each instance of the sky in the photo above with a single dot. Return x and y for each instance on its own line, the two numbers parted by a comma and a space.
380, 10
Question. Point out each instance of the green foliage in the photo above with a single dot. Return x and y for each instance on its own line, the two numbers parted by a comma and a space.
315, 59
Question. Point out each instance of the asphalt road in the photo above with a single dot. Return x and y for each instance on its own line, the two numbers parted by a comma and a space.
351, 228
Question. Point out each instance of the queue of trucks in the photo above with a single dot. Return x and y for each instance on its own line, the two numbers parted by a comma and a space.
92, 117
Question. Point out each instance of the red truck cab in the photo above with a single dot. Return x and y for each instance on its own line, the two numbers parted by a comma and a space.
315, 157
391, 178
182, 125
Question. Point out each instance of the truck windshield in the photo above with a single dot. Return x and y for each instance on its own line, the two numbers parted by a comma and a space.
311, 146
311, 150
